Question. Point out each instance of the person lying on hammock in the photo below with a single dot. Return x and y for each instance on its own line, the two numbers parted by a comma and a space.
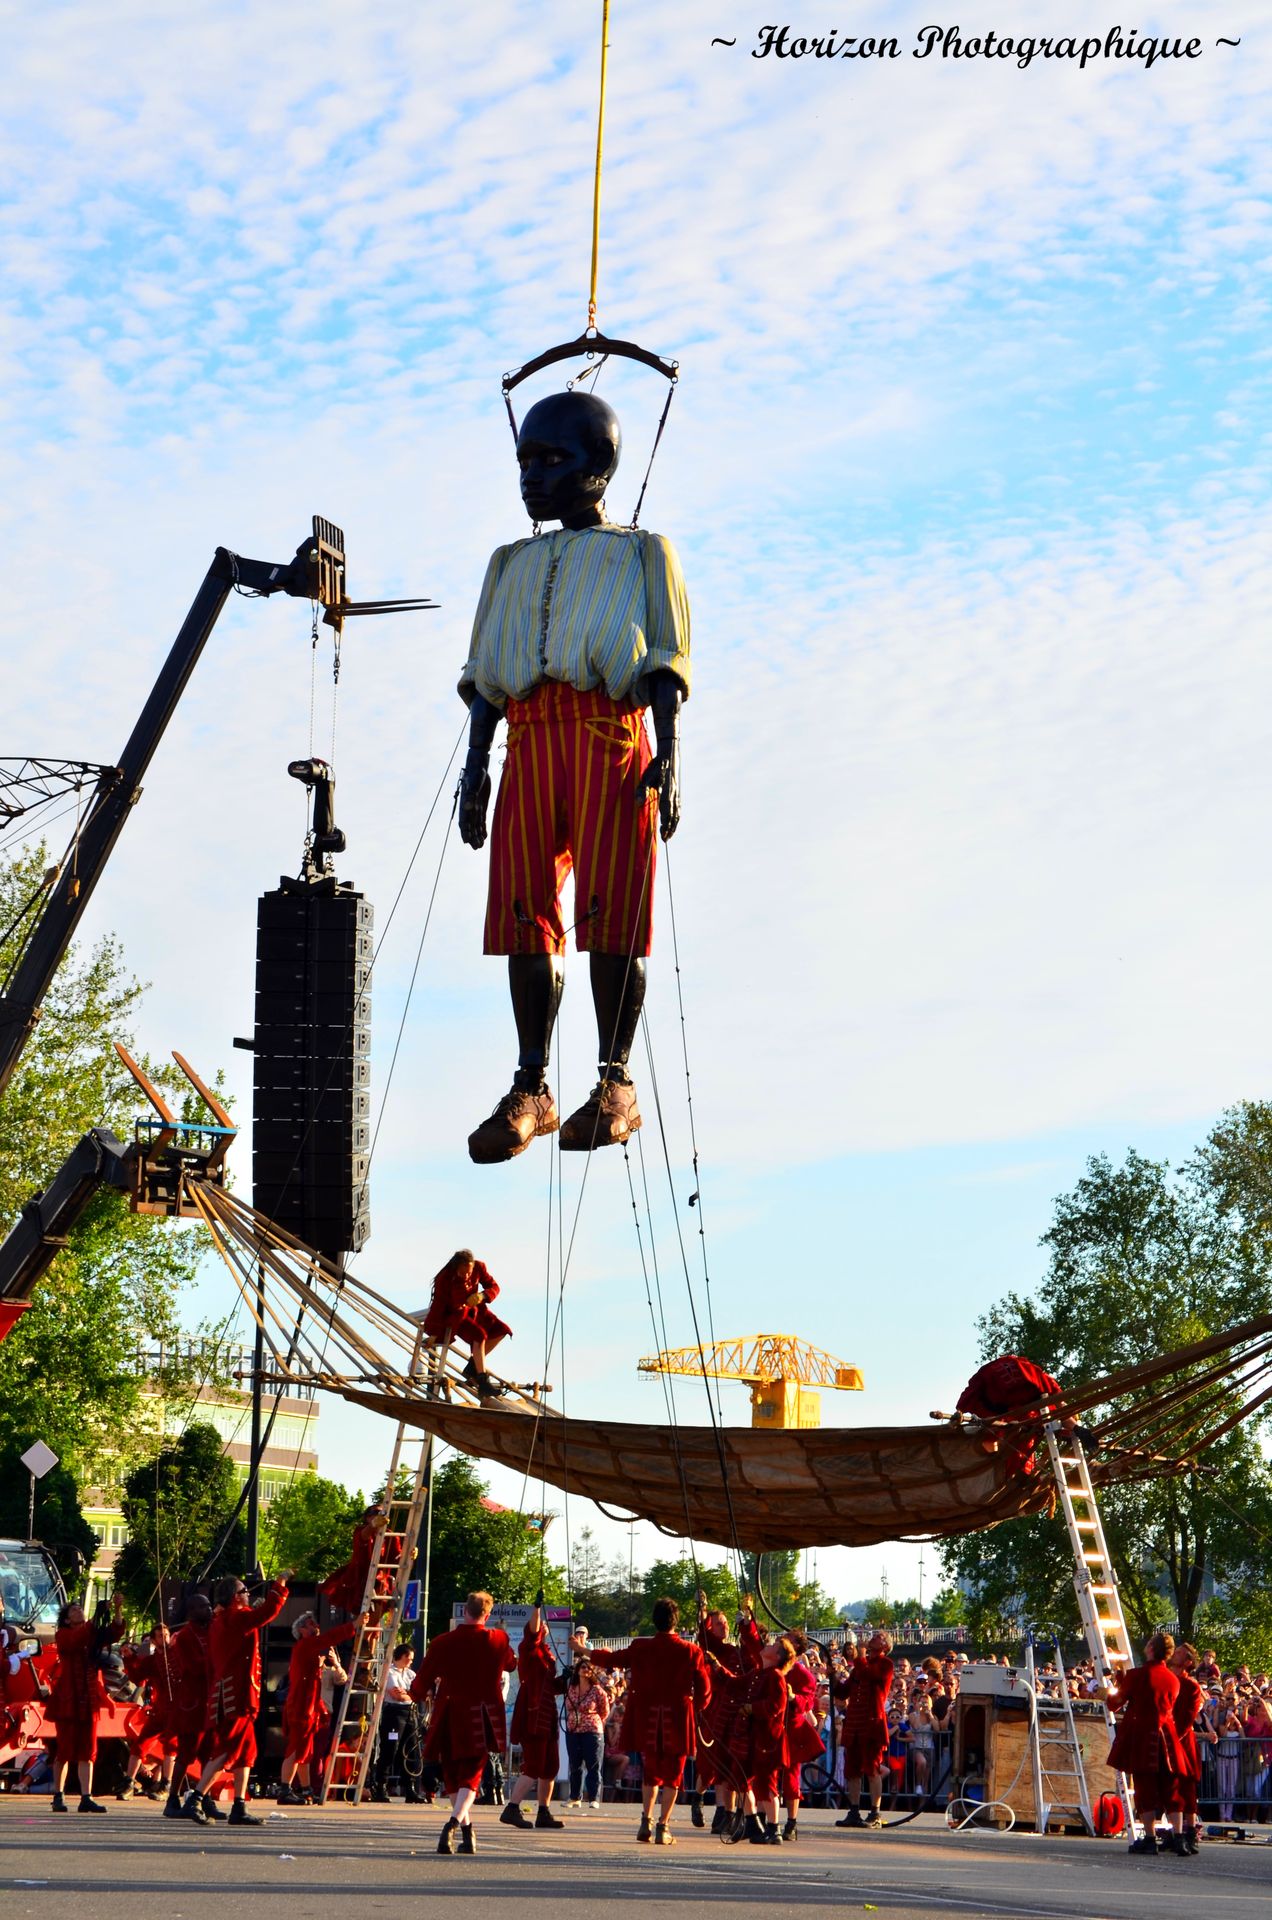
460, 1310
998, 1390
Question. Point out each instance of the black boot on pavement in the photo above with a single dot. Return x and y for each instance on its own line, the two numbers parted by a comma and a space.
546, 1818
89, 1805
448, 1836
467, 1838
512, 1815
240, 1817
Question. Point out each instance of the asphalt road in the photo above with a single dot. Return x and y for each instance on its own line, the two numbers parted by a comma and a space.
344, 1864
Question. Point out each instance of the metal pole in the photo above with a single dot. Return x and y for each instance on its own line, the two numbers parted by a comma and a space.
426, 1569
254, 1464
31, 1514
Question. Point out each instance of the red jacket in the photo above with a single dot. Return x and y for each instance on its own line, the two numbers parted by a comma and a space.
1146, 1739
534, 1714
192, 1675
727, 1655
1184, 1713
865, 1696
670, 1686
155, 1669
234, 1651
803, 1742
466, 1666
304, 1680
999, 1388
78, 1688
346, 1587
451, 1296
757, 1730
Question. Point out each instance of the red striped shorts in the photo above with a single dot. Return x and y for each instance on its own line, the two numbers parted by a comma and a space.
569, 801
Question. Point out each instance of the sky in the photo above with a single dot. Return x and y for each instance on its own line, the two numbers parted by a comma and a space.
969, 471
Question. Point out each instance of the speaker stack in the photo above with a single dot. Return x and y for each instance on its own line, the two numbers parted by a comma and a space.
311, 1129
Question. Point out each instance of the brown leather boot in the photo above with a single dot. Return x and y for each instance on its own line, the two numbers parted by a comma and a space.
516, 1121
607, 1117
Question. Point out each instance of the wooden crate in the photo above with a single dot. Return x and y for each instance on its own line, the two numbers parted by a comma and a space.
1009, 1754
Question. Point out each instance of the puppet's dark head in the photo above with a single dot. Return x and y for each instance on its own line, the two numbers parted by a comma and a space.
568, 449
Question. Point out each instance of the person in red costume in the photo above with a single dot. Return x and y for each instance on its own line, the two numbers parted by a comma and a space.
534, 1725
234, 1647
1146, 1744
460, 1310
803, 1742
464, 1670
78, 1692
151, 1734
711, 1768
303, 1711
670, 1689
21, 1684
863, 1730
757, 1730
1183, 1805
191, 1702
346, 1588
998, 1390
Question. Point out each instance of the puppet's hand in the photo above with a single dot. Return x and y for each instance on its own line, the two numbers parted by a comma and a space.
662, 776
474, 798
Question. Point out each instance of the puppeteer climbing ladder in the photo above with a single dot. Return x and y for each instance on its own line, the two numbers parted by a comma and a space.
1094, 1579
358, 1715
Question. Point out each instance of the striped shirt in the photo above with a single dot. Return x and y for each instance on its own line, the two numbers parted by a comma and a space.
594, 607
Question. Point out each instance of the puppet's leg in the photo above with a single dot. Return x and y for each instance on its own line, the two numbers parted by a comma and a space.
536, 982
610, 1113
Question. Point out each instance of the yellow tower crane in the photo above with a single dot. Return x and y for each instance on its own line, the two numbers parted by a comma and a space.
781, 1372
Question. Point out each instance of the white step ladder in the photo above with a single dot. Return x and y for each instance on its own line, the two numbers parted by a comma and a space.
1094, 1580
358, 1716
1059, 1772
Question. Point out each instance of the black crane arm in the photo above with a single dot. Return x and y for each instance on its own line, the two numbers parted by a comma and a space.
46, 1220
316, 572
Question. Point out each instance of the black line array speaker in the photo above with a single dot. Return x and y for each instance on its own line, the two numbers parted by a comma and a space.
311, 1130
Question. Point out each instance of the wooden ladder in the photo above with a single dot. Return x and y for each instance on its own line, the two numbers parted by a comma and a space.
358, 1717
1094, 1579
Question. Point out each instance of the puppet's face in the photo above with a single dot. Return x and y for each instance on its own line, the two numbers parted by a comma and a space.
567, 450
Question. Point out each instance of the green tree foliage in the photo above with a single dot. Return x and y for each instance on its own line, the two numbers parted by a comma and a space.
177, 1506
68, 1371
1143, 1259
609, 1599
475, 1548
798, 1602
59, 1521
308, 1526
949, 1609
680, 1580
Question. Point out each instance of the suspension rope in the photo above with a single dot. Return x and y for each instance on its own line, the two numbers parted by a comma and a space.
695, 1198
717, 1434
596, 184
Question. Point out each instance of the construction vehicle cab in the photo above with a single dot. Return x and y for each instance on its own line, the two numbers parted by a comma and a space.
31, 1589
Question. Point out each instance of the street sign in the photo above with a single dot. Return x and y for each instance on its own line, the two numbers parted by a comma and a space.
38, 1459
411, 1603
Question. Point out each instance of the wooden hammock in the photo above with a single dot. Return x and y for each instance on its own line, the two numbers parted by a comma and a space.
735, 1485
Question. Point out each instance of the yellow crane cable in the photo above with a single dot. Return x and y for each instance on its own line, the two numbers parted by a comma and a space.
596, 188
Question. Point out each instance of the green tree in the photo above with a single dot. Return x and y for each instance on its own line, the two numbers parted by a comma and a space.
68, 1372
778, 1578
308, 1526
178, 1506
477, 1548
949, 1609
606, 1597
1143, 1259
59, 1520
681, 1580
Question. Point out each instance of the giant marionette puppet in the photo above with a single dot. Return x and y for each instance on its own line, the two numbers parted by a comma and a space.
578, 631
